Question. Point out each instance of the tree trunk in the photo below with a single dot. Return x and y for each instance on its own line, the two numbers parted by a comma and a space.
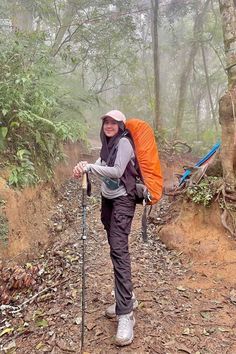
156, 62
187, 70
227, 106
227, 103
196, 102
144, 55
64, 26
209, 87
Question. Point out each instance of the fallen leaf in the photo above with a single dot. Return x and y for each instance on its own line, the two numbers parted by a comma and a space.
222, 329
41, 323
21, 329
8, 348
28, 265
232, 296
39, 345
211, 330
38, 313
78, 320
74, 293
186, 331
64, 316
54, 350
98, 333
141, 305
72, 258
180, 288
205, 332
170, 343
184, 349
63, 345
6, 331
90, 326
205, 315
53, 311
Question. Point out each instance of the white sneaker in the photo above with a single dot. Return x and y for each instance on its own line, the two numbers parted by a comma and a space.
111, 310
125, 330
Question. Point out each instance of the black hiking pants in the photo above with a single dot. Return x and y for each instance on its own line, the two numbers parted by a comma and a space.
116, 216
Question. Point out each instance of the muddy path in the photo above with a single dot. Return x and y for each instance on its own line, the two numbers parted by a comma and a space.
171, 318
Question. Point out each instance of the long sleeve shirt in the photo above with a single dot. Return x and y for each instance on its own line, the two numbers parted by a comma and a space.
125, 154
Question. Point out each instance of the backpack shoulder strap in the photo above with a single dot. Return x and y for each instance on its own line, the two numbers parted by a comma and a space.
125, 134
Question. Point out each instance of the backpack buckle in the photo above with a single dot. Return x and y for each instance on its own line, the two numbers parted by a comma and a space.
148, 198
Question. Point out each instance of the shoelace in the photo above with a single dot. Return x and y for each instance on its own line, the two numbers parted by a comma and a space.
123, 324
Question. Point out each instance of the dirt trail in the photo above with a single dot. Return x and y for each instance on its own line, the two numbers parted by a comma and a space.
171, 318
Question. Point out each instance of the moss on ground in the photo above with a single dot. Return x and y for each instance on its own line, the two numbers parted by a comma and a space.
3, 230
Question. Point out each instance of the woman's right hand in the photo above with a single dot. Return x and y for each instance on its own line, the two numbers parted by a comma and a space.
79, 169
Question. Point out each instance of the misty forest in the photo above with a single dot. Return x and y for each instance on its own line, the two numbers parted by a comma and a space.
63, 65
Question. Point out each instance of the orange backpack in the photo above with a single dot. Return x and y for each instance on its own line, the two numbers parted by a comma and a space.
147, 156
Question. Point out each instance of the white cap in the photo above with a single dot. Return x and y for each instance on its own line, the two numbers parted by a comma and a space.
117, 115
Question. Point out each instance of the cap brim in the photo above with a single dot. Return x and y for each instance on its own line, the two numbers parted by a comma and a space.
109, 117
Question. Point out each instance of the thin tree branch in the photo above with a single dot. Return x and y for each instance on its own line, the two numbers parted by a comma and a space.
70, 71
58, 18
111, 88
218, 56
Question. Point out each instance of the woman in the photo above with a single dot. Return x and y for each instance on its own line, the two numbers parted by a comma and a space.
116, 168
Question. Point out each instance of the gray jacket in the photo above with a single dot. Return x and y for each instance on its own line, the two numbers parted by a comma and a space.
125, 154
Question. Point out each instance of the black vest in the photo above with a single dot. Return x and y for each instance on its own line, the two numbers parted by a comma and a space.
131, 173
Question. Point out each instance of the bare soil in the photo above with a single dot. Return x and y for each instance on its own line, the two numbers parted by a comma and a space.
28, 211
184, 280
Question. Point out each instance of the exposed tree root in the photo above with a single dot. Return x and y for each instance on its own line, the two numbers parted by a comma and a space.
225, 199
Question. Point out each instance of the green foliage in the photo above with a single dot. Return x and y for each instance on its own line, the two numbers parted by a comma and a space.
204, 192
3, 134
28, 103
24, 174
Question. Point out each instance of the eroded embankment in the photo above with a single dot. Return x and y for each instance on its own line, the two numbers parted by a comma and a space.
25, 215
198, 232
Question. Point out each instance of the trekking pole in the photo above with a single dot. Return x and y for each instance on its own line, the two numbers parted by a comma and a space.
144, 224
84, 237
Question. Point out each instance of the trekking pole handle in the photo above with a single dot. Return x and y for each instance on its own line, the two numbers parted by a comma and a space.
84, 181
84, 189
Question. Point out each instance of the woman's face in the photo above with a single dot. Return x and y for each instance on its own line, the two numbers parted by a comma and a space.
110, 127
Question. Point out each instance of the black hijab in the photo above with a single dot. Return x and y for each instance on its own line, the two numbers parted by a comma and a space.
109, 143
